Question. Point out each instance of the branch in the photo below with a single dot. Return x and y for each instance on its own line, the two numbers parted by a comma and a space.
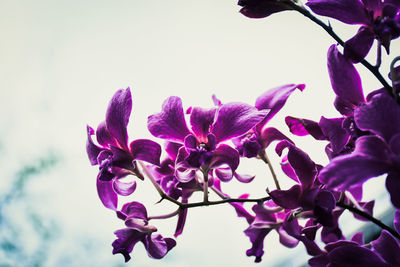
228, 200
368, 217
328, 28
194, 204
264, 157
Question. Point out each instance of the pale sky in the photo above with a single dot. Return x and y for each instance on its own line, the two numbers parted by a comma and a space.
61, 61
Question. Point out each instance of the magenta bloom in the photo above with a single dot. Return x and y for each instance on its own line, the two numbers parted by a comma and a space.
264, 220
135, 216
260, 137
113, 155
378, 19
203, 143
374, 154
341, 132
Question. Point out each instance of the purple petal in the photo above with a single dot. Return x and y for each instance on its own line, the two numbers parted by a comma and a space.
124, 188
357, 192
291, 226
301, 163
350, 255
302, 127
92, 150
373, 4
319, 261
347, 11
122, 162
140, 225
350, 170
358, 47
157, 246
394, 144
216, 101
263, 214
224, 174
146, 150
241, 211
256, 236
345, 80
393, 187
367, 207
343, 106
181, 219
235, 119
201, 121
288, 199
117, 116
287, 240
358, 238
134, 209
294, 229
190, 142
274, 99
396, 222
288, 170
270, 134
183, 171
104, 137
395, 3
244, 178
172, 149
375, 115
261, 8
170, 123
324, 204
225, 156
388, 248
106, 194
105, 161
126, 240
248, 145
332, 128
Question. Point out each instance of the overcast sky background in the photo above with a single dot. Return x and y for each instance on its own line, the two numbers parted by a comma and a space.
61, 62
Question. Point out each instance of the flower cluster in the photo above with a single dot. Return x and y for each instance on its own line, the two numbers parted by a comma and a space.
203, 147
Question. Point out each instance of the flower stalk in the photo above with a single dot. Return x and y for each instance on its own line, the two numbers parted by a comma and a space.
368, 217
263, 155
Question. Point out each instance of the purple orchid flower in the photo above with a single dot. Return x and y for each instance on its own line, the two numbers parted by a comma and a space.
378, 19
340, 132
306, 197
257, 9
354, 253
165, 176
203, 144
113, 155
260, 137
268, 217
135, 217
374, 154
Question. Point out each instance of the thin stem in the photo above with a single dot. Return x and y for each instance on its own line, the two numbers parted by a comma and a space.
160, 191
264, 157
166, 216
205, 186
196, 204
378, 55
328, 28
219, 193
368, 217
227, 200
